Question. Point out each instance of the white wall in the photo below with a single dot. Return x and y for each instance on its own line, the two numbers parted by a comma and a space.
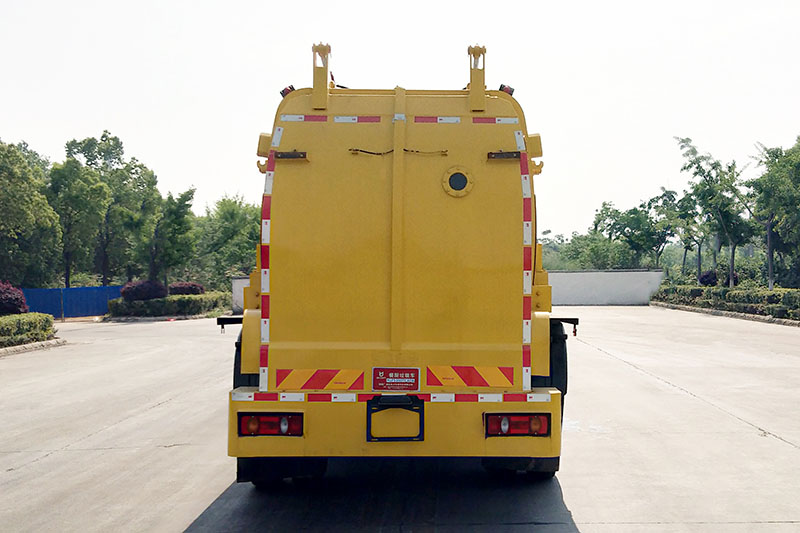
604, 287
237, 284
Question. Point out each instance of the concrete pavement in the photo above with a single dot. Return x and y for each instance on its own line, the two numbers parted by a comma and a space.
674, 421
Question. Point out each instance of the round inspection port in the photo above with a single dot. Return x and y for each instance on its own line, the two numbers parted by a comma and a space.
457, 182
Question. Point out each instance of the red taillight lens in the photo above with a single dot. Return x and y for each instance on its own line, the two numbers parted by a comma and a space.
536, 425
290, 424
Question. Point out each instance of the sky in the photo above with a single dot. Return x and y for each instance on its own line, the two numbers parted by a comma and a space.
188, 86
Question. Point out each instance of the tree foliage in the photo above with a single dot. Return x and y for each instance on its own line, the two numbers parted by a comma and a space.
30, 235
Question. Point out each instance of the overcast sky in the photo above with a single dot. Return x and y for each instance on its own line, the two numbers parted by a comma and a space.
188, 86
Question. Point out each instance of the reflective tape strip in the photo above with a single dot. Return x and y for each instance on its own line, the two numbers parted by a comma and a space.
526, 356
520, 139
265, 232
264, 305
437, 120
265, 259
526, 378
526, 186
268, 178
490, 397
292, 397
263, 373
446, 397
241, 396
264, 330
470, 376
539, 397
263, 356
526, 307
526, 331
352, 119
527, 280
319, 379
304, 118
523, 163
343, 397
527, 258
527, 233
276, 138
495, 120
527, 209
264, 280
250, 396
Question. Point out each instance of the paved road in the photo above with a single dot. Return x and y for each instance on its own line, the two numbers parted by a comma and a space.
122, 429
675, 421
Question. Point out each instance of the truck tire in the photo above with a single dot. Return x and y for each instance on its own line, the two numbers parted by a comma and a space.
558, 360
239, 379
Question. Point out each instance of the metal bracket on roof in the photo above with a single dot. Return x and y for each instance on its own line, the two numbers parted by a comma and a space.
477, 78
319, 95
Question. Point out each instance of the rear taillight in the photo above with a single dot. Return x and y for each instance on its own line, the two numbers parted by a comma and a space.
289, 424
509, 425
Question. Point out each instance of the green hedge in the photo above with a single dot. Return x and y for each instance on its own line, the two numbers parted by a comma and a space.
176, 304
25, 328
780, 303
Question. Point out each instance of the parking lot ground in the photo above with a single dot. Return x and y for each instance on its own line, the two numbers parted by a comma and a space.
674, 422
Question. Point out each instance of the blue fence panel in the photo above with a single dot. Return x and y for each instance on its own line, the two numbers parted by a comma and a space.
89, 301
44, 301
76, 301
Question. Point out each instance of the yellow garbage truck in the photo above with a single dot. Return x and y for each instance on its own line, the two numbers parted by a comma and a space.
399, 307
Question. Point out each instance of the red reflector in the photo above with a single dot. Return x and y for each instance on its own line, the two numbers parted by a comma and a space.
500, 425
290, 424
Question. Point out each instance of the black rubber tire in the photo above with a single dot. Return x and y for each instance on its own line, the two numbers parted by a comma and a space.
540, 476
239, 379
558, 360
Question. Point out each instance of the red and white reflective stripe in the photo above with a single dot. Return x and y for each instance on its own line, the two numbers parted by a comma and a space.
353, 119
495, 120
250, 396
304, 118
527, 258
436, 120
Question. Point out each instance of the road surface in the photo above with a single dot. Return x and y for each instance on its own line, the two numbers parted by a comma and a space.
674, 422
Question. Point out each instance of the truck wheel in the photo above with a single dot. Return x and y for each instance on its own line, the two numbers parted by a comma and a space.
558, 360
239, 379
540, 476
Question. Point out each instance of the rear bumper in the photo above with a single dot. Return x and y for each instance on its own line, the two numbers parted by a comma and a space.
336, 426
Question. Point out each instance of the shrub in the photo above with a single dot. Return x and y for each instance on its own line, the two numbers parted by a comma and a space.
12, 301
25, 328
728, 279
177, 304
186, 287
143, 290
708, 278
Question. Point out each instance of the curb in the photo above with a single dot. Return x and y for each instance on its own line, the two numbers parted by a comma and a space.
152, 318
32, 346
728, 314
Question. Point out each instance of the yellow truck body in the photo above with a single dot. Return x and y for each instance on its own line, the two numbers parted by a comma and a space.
399, 299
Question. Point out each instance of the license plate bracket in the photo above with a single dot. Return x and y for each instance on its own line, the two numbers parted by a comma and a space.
409, 403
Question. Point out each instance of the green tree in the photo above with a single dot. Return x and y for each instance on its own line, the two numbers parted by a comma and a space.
79, 197
30, 235
227, 237
716, 190
169, 244
775, 196
134, 198
662, 214
596, 251
690, 229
